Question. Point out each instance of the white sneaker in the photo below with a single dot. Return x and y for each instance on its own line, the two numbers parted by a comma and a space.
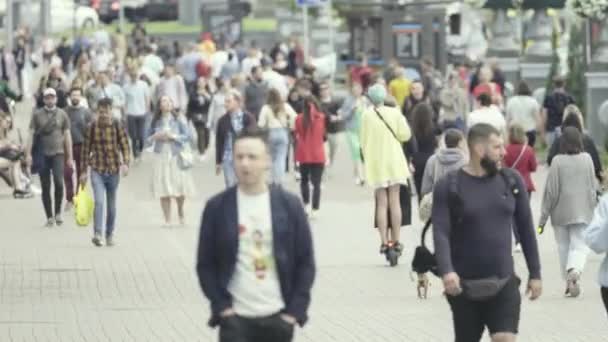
517, 248
314, 214
97, 240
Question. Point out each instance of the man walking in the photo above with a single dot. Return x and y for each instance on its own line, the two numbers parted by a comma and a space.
137, 95
50, 137
256, 92
553, 109
106, 151
255, 258
80, 118
472, 235
228, 127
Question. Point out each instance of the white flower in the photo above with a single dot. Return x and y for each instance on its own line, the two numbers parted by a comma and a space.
596, 9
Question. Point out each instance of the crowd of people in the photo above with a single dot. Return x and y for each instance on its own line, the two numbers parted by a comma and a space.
104, 100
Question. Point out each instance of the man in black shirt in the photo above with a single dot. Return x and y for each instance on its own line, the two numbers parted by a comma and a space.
472, 235
553, 109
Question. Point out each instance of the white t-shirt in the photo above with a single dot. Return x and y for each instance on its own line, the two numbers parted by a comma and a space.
523, 110
269, 119
255, 287
488, 115
248, 63
276, 81
136, 95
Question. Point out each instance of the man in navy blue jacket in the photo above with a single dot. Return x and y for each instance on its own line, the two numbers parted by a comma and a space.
255, 259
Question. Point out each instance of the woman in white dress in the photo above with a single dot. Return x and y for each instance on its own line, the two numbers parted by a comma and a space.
172, 159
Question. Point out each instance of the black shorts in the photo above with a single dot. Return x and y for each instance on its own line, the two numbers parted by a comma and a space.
499, 314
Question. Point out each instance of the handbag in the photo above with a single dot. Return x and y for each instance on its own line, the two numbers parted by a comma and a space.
425, 208
482, 289
11, 154
185, 158
424, 261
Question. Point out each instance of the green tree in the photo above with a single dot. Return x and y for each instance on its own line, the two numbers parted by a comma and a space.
554, 71
575, 82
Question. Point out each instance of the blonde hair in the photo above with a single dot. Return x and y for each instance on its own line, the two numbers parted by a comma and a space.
517, 134
573, 109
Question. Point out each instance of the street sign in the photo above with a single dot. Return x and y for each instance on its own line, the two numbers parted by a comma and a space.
311, 3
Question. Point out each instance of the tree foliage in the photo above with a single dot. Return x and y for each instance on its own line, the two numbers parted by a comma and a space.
575, 81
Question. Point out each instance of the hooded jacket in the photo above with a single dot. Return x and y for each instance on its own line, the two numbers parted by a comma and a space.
445, 160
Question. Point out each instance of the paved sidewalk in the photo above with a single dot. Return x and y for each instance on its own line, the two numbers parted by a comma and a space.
55, 286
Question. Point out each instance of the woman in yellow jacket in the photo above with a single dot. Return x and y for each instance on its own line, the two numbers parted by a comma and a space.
383, 132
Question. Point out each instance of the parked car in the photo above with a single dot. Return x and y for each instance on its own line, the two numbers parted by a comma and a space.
108, 10
159, 10
65, 15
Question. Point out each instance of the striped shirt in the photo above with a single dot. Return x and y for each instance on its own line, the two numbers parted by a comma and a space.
105, 147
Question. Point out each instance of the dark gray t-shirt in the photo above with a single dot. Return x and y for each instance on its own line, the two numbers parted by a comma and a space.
51, 125
80, 118
480, 247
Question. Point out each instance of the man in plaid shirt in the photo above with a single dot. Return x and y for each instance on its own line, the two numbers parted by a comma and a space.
106, 152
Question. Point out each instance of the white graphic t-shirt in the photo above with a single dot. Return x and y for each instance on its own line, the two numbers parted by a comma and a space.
255, 287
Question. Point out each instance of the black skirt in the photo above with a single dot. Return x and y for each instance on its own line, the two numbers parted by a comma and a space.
405, 199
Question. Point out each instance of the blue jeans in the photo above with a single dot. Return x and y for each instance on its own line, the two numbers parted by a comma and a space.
279, 145
551, 136
104, 190
229, 174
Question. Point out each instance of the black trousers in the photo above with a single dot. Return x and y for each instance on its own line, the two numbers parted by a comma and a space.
52, 165
137, 132
267, 329
203, 137
500, 314
605, 297
311, 173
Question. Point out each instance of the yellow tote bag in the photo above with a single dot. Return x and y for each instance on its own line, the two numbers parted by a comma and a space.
84, 207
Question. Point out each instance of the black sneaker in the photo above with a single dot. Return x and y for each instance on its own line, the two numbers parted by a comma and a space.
383, 248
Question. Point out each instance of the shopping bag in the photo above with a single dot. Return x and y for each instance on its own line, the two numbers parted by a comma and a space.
84, 207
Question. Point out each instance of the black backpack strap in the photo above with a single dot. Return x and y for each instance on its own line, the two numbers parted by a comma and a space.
455, 204
509, 177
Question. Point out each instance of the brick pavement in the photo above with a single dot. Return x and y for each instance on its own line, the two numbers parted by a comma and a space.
55, 286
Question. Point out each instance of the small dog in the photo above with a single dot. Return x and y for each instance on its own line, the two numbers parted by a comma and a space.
423, 285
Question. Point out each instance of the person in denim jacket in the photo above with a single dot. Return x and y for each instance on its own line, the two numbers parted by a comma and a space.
596, 237
171, 175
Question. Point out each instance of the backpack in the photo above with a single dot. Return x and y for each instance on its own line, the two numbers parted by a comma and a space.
424, 261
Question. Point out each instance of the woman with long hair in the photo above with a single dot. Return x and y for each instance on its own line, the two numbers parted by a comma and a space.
278, 118
198, 114
310, 153
383, 131
171, 178
425, 131
573, 117
569, 198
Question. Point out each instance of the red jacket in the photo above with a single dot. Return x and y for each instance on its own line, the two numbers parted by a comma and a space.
526, 164
309, 141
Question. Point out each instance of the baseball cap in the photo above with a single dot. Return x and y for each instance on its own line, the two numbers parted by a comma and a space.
49, 92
